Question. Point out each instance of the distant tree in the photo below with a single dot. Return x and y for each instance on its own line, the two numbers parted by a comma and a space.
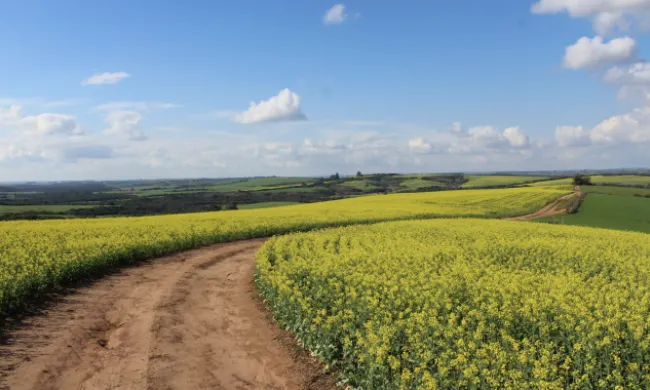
335, 176
359, 174
581, 180
231, 206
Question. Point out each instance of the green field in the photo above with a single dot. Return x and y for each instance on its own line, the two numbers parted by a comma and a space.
611, 190
55, 208
418, 183
620, 212
264, 205
621, 179
253, 184
361, 184
552, 183
495, 181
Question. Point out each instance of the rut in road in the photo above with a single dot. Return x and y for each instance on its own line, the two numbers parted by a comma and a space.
186, 321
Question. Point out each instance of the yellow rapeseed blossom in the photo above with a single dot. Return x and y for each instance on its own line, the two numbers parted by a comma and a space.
36, 256
468, 303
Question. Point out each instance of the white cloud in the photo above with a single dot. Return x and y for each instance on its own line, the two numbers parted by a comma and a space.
335, 15
136, 106
605, 22
572, 136
457, 127
419, 145
105, 78
51, 124
632, 127
516, 137
592, 52
634, 81
605, 14
45, 124
633, 74
125, 123
285, 106
8, 115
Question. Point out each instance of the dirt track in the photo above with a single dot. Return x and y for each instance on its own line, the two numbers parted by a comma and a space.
186, 321
549, 210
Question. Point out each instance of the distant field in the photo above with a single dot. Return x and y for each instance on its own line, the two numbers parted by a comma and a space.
295, 189
620, 212
4, 209
416, 184
361, 184
552, 183
254, 184
262, 183
494, 181
611, 190
621, 179
264, 205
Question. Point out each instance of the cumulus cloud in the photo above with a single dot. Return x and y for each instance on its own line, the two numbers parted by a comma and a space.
105, 78
10, 114
285, 106
457, 127
638, 73
52, 124
605, 14
572, 136
633, 80
516, 137
592, 52
335, 15
477, 139
45, 123
14, 151
633, 127
125, 123
419, 145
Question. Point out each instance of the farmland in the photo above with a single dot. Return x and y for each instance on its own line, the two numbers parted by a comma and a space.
37, 256
451, 304
424, 292
629, 180
621, 212
496, 181
612, 190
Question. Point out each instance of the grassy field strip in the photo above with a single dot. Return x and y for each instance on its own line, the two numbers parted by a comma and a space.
6, 209
611, 190
620, 212
36, 256
495, 181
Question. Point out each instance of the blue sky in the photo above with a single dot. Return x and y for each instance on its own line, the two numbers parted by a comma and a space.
377, 86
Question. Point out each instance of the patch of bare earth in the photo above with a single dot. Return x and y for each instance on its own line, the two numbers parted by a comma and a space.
557, 207
186, 321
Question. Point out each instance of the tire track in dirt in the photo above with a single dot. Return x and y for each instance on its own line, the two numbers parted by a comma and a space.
550, 209
186, 321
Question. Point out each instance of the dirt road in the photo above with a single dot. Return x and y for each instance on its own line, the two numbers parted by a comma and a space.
556, 207
186, 321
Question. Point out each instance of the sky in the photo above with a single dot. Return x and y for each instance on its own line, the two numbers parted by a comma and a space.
168, 89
